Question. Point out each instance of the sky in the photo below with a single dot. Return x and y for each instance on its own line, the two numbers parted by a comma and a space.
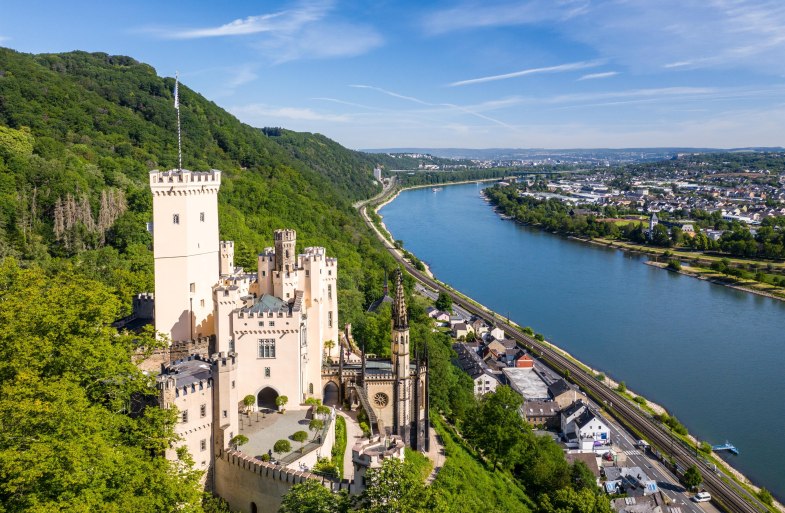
458, 74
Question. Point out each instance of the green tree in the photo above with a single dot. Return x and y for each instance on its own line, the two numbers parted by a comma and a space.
312, 497
282, 446
444, 302
315, 425
237, 441
568, 500
660, 236
705, 447
248, 402
495, 426
280, 402
765, 497
621, 387
394, 487
68, 440
300, 436
692, 477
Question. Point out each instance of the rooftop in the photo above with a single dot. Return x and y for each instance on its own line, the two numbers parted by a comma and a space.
526, 382
187, 372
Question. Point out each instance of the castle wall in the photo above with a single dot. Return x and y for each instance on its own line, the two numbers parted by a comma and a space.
202, 346
242, 480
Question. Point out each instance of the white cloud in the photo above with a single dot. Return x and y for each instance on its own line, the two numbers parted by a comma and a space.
495, 14
262, 114
604, 74
672, 34
531, 71
3, 39
450, 106
310, 29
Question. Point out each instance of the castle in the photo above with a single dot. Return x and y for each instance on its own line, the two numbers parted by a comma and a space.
231, 334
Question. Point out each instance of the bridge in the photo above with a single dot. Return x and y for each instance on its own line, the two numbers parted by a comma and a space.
726, 493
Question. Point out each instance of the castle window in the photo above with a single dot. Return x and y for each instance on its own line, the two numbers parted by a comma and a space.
201, 216
225, 414
203, 444
329, 319
193, 287
266, 348
176, 218
264, 273
329, 291
329, 272
310, 388
203, 410
267, 372
201, 302
232, 383
185, 416
272, 323
231, 345
261, 323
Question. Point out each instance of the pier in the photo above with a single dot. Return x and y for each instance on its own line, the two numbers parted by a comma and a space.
727, 446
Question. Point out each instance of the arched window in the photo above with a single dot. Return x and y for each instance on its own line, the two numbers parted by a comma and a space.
310, 388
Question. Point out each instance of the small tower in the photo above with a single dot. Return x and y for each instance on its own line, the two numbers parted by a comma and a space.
285, 256
227, 257
400, 361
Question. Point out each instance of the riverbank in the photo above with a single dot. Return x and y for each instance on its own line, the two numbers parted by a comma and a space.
532, 259
701, 274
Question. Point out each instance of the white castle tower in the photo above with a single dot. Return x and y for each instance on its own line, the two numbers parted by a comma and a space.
186, 251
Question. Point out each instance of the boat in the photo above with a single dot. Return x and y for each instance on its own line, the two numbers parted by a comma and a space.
436, 189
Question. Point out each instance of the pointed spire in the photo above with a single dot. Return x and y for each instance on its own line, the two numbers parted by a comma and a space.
400, 317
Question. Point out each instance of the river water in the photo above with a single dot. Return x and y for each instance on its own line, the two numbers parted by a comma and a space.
713, 356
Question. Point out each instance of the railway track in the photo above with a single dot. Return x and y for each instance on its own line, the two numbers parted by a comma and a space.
730, 497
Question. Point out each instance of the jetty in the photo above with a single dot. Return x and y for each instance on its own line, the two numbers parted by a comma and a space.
727, 446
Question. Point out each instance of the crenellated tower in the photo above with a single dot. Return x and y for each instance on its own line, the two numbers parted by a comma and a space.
400, 361
285, 252
186, 252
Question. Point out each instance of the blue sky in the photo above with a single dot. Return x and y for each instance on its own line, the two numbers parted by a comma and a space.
475, 74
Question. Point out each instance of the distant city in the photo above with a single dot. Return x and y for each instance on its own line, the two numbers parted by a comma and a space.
506, 157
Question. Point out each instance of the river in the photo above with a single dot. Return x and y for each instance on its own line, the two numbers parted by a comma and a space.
713, 356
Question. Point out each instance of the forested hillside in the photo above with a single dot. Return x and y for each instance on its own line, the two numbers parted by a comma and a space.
79, 132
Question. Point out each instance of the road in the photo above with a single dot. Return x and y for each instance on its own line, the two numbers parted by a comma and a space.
726, 494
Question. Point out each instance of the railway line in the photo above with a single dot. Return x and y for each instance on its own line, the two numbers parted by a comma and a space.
727, 495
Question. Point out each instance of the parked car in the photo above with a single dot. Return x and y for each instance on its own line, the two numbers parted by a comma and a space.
608, 456
702, 497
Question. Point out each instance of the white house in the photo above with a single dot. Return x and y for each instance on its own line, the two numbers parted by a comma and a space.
583, 427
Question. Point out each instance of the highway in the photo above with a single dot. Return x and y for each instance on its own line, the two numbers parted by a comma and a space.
726, 494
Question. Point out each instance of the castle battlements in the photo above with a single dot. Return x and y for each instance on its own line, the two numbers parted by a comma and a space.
222, 360
185, 176
184, 182
285, 234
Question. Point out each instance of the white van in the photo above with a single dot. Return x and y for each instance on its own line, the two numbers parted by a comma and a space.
702, 497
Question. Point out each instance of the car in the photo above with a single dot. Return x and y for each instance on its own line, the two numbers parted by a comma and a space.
608, 456
702, 497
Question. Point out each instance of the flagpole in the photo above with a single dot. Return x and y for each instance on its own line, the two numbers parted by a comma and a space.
177, 107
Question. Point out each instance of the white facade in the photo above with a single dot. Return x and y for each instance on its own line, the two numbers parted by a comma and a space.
185, 235
269, 327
